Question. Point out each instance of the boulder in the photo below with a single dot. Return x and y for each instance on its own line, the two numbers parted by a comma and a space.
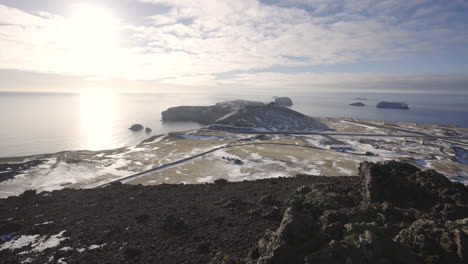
148, 130
296, 235
394, 105
438, 242
364, 243
406, 186
283, 101
315, 199
357, 104
136, 127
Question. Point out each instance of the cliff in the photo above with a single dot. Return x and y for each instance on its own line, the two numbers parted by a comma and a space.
205, 114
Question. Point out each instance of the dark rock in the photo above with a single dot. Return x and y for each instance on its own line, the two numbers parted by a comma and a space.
131, 252
439, 242
317, 198
8, 228
272, 213
173, 224
283, 101
394, 105
364, 243
136, 127
406, 186
268, 199
148, 130
220, 182
296, 235
142, 217
357, 104
334, 230
203, 247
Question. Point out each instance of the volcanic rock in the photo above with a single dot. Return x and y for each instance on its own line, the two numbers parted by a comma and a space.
407, 186
296, 235
136, 127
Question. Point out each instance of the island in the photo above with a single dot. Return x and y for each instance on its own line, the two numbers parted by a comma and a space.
283, 101
357, 104
271, 117
393, 105
205, 114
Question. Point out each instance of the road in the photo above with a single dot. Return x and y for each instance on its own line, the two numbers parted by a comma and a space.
414, 134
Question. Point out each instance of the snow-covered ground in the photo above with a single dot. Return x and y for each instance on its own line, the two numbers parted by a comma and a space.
240, 157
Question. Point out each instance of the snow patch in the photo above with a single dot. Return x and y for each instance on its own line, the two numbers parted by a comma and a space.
92, 247
205, 179
19, 242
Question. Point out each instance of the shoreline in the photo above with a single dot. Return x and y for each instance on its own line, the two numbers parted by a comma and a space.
240, 131
204, 155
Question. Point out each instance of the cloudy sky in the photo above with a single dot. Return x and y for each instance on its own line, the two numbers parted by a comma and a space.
272, 44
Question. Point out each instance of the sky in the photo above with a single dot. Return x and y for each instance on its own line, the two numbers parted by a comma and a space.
304, 45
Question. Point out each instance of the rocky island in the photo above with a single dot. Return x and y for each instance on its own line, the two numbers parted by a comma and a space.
394, 105
271, 117
205, 114
283, 101
357, 104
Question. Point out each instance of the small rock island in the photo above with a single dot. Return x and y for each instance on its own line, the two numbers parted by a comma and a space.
357, 104
283, 101
393, 105
136, 127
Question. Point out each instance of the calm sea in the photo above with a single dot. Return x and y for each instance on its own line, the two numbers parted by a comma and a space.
33, 123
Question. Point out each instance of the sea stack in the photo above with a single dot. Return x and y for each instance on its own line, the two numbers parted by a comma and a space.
136, 127
283, 101
393, 105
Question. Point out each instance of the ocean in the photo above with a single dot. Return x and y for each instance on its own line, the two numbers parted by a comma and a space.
35, 123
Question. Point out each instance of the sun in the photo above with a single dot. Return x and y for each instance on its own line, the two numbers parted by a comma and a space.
92, 37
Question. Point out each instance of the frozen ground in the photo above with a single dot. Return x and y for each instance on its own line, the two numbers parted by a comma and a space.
239, 157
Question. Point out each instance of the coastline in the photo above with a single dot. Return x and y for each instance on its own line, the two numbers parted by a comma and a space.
204, 155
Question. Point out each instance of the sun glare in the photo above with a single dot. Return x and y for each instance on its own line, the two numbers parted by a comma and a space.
97, 115
92, 38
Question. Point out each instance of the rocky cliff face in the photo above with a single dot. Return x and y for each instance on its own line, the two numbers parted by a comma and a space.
405, 215
205, 114
271, 118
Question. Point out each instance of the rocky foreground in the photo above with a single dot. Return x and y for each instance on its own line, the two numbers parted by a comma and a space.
391, 213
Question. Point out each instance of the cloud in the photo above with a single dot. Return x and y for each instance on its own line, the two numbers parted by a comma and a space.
417, 83
193, 42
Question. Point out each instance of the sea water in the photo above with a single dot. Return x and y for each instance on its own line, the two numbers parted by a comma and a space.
34, 123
